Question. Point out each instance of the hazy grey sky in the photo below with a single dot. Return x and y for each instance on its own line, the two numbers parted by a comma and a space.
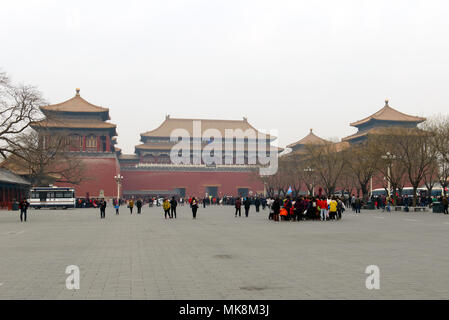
286, 65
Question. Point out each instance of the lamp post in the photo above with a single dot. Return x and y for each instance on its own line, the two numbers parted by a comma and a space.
389, 156
118, 178
308, 169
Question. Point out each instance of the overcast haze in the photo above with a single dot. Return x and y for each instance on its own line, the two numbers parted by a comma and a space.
286, 65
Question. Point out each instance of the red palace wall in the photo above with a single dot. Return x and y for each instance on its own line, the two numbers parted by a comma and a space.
194, 182
100, 174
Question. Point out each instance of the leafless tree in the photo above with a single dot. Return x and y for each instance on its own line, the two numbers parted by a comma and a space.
327, 163
438, 128
19, 106
362, 161
431, 176
389, 153
408, 156
45, 159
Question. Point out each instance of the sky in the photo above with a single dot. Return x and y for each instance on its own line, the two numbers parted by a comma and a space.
286, 65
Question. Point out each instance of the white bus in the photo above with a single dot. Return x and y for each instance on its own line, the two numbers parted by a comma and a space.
52, 197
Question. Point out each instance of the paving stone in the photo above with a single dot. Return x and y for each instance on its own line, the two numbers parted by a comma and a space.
219, 256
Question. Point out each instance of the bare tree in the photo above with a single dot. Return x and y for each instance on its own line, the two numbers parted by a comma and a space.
45, 159
19, 106
438, 128
411, 157
327, 163
389, 153
431, 176
417, 155
363, 161
294, 175
349, 181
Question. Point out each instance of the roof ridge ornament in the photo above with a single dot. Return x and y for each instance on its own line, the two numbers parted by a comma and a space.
77, 91
386, 103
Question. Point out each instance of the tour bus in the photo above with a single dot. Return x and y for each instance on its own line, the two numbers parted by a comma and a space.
379, 192
52, 197
436, 192
408, 192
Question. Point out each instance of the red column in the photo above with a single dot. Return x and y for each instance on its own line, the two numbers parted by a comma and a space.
108, 144
98, 143
84, 143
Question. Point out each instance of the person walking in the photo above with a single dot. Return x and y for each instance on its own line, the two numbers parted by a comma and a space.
166, 207
288, 206
117, 207
238, 206
445, 205
340, 208
276, 207
194, 206
333, 206
358, 205
23, 206
322, 204
173, 205
139, 206
257, 204
102, 209
247, 204
297, 209
353, 202
131, 205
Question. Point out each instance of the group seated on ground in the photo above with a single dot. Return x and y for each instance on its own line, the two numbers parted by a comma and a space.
306, 208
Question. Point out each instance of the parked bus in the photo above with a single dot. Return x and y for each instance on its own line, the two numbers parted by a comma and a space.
52, 197
408, 192
436, 192
379, 192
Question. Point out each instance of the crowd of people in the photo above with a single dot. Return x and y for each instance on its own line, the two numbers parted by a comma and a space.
280, 209
306, 208
385, 202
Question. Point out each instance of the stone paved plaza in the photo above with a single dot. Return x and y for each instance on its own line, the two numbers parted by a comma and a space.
219, 256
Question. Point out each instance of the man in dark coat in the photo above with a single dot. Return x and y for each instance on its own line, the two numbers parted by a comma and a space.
357, 205
247, 204
257, 204
23, 206
276, 207
173, 205
139, 206
445, 205
238, 206
102, 209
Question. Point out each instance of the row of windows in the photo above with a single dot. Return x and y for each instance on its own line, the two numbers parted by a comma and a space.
52, 195
76, 143
166, 159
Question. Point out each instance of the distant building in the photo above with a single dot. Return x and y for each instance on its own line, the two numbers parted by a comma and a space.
151, 171
311, 138
92, 140
386, 117
12, 188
